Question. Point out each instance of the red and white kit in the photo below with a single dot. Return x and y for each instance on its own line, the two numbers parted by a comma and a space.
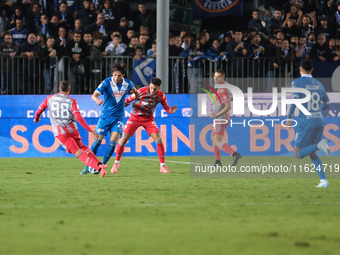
219, 129
143, 110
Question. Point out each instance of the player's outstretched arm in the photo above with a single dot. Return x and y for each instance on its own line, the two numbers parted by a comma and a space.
40, 110
95, 97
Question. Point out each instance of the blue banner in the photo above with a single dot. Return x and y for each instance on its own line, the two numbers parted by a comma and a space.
143, 71
212, 8
183, 133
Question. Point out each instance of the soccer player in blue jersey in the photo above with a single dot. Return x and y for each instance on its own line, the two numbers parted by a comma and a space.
309, 128
111, 118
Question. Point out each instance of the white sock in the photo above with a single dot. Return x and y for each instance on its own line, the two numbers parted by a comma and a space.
117, 162
162, 164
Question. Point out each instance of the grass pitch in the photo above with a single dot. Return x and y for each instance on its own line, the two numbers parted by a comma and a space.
46, 207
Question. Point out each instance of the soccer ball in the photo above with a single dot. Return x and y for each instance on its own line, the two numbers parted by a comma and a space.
93, 171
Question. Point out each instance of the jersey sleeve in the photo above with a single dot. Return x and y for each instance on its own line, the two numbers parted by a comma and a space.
224, 95
131, 86
102, 87
164, 103
78, 117
41, 109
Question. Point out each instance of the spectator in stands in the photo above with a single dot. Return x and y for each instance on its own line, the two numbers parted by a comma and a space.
256, 51
331, 49
54, 26
61, 42
41, 40
270, 6
204, 38
115, 47
123, 28
46, 7
96, 63
99, 26
139, 53
17, 15
306, 26
44, 28
110, 14
195, 65
336, 56
78, 26
225, 40
72, 7
335, 21
295, 14
301, 49
86, 15
145, 18
129, 34
284, 57
65, 18
290, 29
87, 37
48, 62
236, 47
320, 50
152, 53
324, 29
7, 51
255, 22
19, 33
280, 35
34, 18
142, 39
270, 54
30, 48
131, 49
176, 49
274, 23
186, 41
78, 50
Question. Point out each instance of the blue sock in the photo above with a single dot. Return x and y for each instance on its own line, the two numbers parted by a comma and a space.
109, 151
307, 150
95, 146
318, 166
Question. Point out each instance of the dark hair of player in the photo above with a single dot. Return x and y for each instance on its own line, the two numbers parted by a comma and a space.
119, 68
306, 64
64, 86
156, 81
221, 72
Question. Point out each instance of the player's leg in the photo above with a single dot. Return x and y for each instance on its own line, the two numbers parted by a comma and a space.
94, 148
76, 147
119, 152
116, 130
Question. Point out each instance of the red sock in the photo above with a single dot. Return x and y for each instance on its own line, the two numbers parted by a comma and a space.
160, 152
227, 149
88, 158
119, 151
217, 153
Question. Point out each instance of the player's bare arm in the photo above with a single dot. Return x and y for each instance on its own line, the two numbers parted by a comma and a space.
135, 91
95, 97
173, 109
94, 133
226, 109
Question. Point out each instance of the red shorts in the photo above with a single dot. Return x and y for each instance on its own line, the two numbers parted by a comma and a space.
133, 123
219, 129
71, 142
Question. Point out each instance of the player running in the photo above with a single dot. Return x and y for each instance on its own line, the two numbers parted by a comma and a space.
142, 116
309, 129
64, 112
222, 112
111, 118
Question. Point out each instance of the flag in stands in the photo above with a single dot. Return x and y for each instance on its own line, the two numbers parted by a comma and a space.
143, 71
212, 8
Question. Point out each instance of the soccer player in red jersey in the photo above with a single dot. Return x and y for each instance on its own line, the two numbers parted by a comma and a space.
142, 116
64, 112
222, 112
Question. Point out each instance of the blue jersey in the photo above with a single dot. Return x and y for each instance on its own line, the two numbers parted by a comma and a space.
318, 96
114, 96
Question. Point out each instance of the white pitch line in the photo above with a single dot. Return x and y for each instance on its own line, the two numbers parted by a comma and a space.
164, 205
171, 161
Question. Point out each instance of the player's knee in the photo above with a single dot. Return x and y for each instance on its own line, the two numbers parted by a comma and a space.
112, 143
297, 155
122, 143
159, 141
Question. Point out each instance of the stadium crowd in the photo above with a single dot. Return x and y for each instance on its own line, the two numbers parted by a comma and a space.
279, 32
